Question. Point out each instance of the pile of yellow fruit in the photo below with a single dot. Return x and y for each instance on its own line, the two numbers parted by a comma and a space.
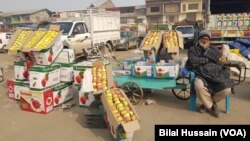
47, 39
119, 106
35, 38
170, 39
152, 39
99, 78
20, 40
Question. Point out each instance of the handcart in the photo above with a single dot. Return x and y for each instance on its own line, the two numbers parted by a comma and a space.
134, 87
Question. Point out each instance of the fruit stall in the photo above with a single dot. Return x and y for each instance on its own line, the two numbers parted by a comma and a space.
152, 72
46, 76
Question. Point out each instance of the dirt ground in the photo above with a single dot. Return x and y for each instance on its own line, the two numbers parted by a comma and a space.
17, 125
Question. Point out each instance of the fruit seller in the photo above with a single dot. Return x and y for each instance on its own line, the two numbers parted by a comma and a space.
212, 82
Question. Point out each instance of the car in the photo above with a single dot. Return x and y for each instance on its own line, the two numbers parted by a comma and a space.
128, 40
188, 34
4, 39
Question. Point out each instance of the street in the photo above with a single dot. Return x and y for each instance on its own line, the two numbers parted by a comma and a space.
64, 125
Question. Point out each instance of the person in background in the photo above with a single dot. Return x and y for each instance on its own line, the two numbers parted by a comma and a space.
212, 82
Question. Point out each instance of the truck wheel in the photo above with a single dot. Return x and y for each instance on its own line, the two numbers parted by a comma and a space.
127, 46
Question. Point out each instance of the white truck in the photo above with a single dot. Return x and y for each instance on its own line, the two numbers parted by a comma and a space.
4, 39
93, 28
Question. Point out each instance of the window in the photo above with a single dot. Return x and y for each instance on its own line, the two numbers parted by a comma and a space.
79, 29
127, 10
171, 8
184, 7
123, 21
65, 27
155, 9
193, 6
27, 19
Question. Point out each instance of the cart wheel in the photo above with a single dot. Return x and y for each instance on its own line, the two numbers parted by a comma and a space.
184, 93
133, 91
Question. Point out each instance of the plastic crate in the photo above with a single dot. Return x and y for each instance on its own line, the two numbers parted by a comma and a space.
93, 117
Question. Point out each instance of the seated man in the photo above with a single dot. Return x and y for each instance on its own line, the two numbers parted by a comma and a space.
212, 82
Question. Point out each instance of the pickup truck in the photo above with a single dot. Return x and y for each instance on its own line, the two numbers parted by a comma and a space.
4, 39
94, 28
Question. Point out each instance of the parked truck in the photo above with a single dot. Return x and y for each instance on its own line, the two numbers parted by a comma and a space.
228, 20
94, 27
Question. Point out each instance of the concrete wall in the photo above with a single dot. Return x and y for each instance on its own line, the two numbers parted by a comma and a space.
36, 17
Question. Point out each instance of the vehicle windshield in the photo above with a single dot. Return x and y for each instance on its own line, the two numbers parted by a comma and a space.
124, 34
185, 30
64, 27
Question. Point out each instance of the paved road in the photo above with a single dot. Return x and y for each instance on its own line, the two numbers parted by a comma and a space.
17, 125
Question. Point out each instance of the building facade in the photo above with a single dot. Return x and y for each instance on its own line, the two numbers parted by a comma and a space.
15, 19
172, 11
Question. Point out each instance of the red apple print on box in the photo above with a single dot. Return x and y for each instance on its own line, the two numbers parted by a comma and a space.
57, 99
79, 77
50, 57
35, 103
45, 79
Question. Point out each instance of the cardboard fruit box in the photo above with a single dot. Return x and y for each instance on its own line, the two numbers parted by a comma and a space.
143, 70
37, 101
34, 39
62, 93
66, 73
179, 39
166, 71
21, 70
22, 41
55, 38
14, 88
47, 56
42, 77
86, 98
79, 70
151, 35
25, 56
66, 56
128, 62
114, 125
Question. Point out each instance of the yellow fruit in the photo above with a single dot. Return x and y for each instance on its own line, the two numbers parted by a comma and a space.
20, 40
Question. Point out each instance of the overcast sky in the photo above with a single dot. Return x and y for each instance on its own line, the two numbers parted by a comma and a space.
57, 5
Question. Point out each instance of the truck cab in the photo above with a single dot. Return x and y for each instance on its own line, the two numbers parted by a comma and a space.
75, 35
187, 34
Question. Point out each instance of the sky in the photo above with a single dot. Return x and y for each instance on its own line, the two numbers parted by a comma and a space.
57, 5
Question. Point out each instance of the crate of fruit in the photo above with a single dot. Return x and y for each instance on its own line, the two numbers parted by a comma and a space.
18, 40
49, 39
152, 40
36, 37
119, 115
172, 40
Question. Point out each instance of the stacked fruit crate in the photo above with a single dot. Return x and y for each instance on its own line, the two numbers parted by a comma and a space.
38, 83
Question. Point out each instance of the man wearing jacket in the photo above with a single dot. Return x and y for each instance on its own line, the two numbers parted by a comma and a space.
212, 82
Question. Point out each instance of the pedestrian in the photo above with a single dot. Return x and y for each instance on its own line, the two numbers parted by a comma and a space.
212, 82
